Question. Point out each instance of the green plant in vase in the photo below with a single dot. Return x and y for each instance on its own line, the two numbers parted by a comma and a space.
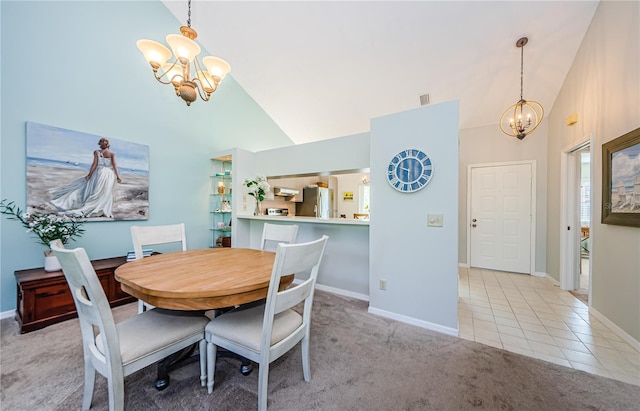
257, 189
44, 227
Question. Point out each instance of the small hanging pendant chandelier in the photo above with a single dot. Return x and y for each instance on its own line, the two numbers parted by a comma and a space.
524, 116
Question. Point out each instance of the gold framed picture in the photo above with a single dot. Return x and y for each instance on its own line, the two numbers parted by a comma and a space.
621, 180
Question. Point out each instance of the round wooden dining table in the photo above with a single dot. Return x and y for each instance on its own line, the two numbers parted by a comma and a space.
202, 279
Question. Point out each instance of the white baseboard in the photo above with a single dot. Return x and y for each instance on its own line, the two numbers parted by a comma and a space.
552, 280
7, 314
382, 313
463, 265
413, 321
539, 274
616, 330
337, 291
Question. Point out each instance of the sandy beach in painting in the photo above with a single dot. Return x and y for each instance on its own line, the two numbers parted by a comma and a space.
130, 201
624, 203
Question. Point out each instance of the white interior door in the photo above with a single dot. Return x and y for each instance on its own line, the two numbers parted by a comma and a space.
570, 166
500, 217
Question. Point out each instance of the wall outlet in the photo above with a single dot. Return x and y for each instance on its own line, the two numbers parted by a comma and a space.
383, 285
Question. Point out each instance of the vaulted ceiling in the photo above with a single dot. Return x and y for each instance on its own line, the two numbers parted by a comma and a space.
323, 69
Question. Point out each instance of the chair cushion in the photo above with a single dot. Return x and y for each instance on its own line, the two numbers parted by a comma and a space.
244, 327
154, 330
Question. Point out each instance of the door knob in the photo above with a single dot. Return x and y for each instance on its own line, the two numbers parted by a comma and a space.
474, 220
473, 225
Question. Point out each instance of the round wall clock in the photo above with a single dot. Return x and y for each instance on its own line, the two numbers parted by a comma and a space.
409, 170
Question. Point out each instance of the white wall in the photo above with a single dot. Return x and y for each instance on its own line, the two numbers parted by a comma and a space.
352, 183
419, 263
603, 89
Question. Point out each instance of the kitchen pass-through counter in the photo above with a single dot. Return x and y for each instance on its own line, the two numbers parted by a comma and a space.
345, 265
295, 220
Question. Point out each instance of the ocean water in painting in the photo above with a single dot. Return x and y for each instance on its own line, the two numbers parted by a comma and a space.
625, 180
57, 147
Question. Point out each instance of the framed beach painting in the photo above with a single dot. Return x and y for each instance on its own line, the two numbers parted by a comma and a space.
92, 177
621, 180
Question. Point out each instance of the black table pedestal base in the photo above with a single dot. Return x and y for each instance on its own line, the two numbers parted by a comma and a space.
246, 366
185, 356
173, 361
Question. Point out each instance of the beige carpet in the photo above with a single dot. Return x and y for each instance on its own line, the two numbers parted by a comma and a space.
359, 362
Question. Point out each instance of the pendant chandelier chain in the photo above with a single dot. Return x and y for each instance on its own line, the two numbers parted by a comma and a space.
521, 71
189, 14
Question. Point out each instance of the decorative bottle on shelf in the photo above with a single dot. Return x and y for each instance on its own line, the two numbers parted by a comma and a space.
258, 209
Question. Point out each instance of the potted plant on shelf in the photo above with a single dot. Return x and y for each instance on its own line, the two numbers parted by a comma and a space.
257, 188
46, 227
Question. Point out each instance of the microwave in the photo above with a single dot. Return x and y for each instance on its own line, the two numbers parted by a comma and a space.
278, 211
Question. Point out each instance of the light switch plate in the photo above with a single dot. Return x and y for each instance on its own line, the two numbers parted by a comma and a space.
434, 220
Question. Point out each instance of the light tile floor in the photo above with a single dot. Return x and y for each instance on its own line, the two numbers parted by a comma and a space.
529, 315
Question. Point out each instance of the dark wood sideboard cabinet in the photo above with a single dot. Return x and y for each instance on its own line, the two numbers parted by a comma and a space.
44, 297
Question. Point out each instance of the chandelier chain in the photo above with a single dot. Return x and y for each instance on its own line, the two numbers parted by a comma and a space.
189, 14
521, 71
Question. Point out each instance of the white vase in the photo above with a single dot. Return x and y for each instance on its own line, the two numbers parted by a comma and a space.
51, 263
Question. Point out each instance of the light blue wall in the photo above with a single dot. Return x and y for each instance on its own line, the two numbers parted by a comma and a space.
321, 157
419, 263
75, 65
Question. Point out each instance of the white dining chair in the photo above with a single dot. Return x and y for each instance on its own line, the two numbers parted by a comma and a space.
118, 350
272, 234
143, 236
264, 333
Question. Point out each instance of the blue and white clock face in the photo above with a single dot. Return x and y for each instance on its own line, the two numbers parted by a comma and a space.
409, 170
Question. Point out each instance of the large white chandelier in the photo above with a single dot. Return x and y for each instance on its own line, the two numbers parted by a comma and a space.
178, 73
524, 116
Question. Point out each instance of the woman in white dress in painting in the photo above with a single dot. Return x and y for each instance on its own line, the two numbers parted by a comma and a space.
91, 195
